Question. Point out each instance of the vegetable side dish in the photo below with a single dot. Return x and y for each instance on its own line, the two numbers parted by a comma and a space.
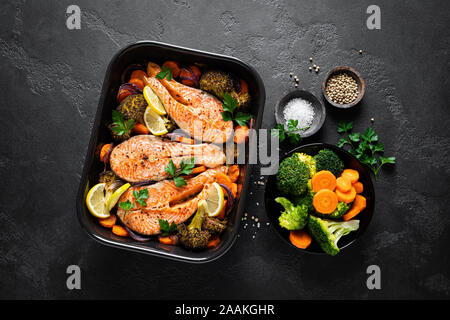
165, 185
320, 199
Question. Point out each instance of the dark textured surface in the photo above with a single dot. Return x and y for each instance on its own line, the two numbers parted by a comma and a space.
51, 79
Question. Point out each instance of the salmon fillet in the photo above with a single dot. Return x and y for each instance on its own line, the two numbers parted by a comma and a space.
166, 202
145, 157
194, 111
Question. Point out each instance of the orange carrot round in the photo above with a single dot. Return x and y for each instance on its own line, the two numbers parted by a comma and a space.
359, 187
241, 134
173, 66
138, 83
224, 179
140, 128
138, 74
351, 175
343, 184
108, 222
346, 197
166, 240
300, 238
325, 201
104, 152
233, 172
119, 231
358, 205
214, 241
323, 180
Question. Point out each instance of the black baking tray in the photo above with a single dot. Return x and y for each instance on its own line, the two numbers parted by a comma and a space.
139, 53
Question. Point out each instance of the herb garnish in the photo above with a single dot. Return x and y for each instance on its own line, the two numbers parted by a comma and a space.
167, 229
164, 73
121, 126
126, 205
229, 107
186, 167
141, 196
291, 132
364, 147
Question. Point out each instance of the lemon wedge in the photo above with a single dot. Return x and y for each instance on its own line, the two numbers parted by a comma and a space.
153, 101
112, 200
96, 201
214, 201
154, 122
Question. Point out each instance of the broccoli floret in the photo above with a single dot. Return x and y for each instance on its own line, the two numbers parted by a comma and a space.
340, 210
292, 176
328, 160
309, 161
293, 217
327, 232
192, 236
214, 225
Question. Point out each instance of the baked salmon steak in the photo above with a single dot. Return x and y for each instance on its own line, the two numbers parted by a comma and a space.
166, 202
145, 157
195, 111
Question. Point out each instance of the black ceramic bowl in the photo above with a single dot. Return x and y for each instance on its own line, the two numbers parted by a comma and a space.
136, 55
273, 209
355, 75
319, 110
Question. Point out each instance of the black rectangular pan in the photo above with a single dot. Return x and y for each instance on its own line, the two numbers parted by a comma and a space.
142, 52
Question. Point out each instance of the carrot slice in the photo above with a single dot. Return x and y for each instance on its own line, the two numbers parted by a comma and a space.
138, 74
300, 238
241, 134
222, 212
166, 240
323, 180
214, 241
108, 222
138, 83
198, 170
234, 189
233, 172
173, 66
140, 128
325, 201
346, 197
351, 175
104, 151
224, 179
343, 184
359, 187
244, 86
359, 205
119, 231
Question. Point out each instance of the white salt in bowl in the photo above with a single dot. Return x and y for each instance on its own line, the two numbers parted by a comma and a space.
319, 111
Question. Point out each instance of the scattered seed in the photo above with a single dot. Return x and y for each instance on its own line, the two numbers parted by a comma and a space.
360, 51
372, 119
310, 69
296, 85
310, 59
290, 74
314, 66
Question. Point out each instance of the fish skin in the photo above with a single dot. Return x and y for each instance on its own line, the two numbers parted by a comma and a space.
145, 157
166, 202
195, 111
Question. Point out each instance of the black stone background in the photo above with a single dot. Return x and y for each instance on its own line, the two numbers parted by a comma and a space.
50, 85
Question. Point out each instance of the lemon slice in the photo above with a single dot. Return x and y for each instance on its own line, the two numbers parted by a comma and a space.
214, 200
153, 101
96, 201
112, 200
154, 122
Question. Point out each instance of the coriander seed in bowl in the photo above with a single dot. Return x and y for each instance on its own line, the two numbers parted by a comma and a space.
343, 87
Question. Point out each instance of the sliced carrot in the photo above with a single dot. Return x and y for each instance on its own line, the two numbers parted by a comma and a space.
359, 205
323, 180
138, 74
224, 179
234, 188
351, 175
174, 67
241, 134
138, 83
108, 222
214, 241
359, 187
325, 201
166, 240
343, 184
198, 170
119, 231
104, 152
300, 238
196, 71
346, 197
221, 214
233, 172
244, 86
140, 128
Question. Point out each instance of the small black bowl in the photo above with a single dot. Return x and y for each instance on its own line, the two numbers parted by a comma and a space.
319, 110
274, 209
352, 73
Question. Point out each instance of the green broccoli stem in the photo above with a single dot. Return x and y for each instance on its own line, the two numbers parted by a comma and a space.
197, 220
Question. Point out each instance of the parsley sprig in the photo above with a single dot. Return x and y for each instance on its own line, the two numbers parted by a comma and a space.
141, 196
120, 125
126, 205
291, 133
166, 228
229, 111
164, 73
186, 167
364, 146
